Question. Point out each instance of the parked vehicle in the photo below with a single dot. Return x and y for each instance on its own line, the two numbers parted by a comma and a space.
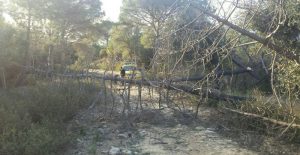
131, 71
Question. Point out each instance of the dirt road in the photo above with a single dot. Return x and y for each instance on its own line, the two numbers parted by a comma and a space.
154, 133
148, 132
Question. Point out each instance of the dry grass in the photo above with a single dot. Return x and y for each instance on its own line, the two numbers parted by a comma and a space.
265, 107
33, 119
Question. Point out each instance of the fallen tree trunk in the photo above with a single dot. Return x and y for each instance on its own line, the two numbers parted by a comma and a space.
205, 92
292, 55
208, 92
237, 60
274, 121
218, 74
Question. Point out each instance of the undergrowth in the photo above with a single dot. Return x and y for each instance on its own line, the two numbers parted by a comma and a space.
33, 119
267, 107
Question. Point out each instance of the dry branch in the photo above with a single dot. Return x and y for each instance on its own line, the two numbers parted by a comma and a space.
274, 121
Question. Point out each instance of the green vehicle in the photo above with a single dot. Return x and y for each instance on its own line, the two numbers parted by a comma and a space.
131, 71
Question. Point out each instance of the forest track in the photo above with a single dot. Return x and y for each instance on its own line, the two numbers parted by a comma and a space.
165, 131
149, 132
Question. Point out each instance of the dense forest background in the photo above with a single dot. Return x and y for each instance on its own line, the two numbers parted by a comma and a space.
248, 48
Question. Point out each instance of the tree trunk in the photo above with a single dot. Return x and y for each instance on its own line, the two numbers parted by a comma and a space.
265, 41
4, 78
50, 58
28, 37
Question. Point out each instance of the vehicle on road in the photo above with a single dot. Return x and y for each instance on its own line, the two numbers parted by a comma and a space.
131, 71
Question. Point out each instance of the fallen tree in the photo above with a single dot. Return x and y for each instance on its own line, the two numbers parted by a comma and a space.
292, 55
237, 60
217, 74
205, 92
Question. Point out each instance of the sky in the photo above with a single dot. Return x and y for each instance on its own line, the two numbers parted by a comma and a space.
111, 9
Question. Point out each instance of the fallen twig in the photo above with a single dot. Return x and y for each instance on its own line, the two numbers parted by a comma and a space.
274, 121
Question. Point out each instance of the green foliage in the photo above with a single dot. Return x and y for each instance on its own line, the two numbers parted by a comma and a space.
125, 45
33, 119
11, 44
162, 22
267, 20
269, 17
122, 41
84, 54
47, 30
103, 29
268, 106
148, 39
288, 78
70, 12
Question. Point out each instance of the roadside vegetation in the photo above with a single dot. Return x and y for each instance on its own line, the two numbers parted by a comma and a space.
34, 119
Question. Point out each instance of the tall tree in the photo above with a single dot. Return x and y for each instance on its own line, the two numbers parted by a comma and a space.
167, 25
60, 21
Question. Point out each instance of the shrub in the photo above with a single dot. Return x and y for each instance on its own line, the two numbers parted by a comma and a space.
33, 119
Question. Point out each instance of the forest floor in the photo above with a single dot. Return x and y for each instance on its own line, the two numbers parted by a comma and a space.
166, 131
